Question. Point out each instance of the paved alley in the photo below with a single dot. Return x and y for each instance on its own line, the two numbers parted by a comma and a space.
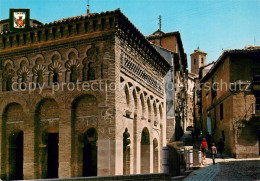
227, 169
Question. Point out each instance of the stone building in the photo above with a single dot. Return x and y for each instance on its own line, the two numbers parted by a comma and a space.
171, 47
190, 99
199, 67
230, 101
198, 59
81, 96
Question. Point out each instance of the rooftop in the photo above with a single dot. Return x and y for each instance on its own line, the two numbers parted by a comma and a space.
247, 49
198, 51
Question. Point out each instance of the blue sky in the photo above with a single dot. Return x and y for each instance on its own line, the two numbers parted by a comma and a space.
212, 24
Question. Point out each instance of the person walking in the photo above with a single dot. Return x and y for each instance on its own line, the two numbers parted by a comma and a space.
203, 148
221, 146
213, 152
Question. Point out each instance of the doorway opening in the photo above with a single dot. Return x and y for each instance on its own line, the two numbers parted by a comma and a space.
145, 151
90, 153
53, 155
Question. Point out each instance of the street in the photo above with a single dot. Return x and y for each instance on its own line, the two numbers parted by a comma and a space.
227, 169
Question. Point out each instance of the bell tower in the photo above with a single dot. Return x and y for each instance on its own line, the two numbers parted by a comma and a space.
198, 59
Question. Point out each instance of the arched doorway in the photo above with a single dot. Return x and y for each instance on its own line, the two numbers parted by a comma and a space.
47, 138
12, 142
16, 156
155, 156
84, 110
89, 167
145, 151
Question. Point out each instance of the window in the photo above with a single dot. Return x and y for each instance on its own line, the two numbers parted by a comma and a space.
55, 77
194, 61
202, 60
24, 81
39, 80
91, 72
73, 74
9, 83
214, 87
221, 111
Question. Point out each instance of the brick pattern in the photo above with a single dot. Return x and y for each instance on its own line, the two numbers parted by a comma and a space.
90, 56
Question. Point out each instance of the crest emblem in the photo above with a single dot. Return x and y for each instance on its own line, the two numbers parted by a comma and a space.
19, 20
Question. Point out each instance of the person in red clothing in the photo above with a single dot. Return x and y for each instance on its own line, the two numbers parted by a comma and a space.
203, 148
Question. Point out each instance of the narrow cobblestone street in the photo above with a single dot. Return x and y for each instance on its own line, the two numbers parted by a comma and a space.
241, 169
226, 168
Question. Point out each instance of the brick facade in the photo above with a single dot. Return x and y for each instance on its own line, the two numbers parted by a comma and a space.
231, 111
97, 129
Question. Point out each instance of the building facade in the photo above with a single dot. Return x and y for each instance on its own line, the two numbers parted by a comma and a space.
190, 99
198, 59
230, 101
176, 81
81, 96
199, 68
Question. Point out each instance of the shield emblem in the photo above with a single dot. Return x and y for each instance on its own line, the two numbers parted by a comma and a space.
19, 20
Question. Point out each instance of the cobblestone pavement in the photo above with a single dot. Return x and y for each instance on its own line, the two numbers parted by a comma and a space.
240, 169
227, 169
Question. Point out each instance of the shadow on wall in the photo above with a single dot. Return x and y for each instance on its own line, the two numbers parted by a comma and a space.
249, 134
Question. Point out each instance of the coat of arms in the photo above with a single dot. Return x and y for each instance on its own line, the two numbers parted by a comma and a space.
19, 20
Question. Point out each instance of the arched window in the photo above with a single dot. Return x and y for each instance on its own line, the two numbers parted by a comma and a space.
85, 73
102, 69
39, 80
142, 104
8, 77
55, 77
24, 80
91, 71
73, 74
9, 83
127, 95
149, 109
